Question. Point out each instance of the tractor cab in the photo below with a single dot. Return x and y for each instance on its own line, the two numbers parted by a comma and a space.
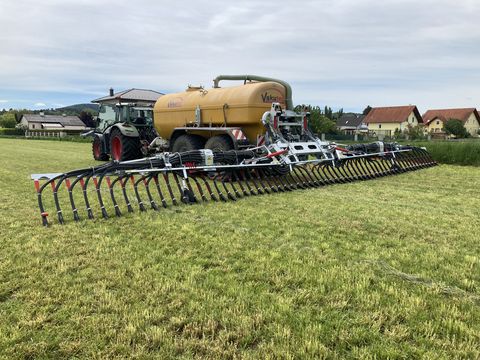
125, 113
123, 131
140, 116
124, 127
107, 116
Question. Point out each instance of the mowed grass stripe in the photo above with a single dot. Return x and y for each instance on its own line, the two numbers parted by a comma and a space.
322, 272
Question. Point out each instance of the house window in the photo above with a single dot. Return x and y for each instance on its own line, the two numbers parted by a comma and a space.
438, 122
379, 126
33, 126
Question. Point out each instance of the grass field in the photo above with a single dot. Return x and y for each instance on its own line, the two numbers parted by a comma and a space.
388, 268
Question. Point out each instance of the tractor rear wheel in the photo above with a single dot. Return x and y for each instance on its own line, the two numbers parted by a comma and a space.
97, 150
188, 142
220, 143
124, 147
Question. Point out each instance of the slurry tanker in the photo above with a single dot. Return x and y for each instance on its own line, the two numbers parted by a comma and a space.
220, 144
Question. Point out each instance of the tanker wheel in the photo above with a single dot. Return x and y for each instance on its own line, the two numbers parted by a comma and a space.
97, 150
188, 142
220, 143
124, 147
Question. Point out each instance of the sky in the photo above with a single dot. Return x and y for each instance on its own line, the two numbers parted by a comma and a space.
343, 53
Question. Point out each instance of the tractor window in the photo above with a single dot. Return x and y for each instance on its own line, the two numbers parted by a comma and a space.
141, 116
106, 116
107, 113
149, 116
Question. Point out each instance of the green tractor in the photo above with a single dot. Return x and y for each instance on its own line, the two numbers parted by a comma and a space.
124, 126
123, 132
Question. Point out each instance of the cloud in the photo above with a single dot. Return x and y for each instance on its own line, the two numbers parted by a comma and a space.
40, 104
346, 53
2, 101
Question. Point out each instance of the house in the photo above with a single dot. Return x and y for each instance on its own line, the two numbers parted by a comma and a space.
435, 119
141, 97
51, 125
386, 120
351, 123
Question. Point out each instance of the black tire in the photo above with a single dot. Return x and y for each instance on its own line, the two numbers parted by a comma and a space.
188, 142
220, 143
124, 147
97, 150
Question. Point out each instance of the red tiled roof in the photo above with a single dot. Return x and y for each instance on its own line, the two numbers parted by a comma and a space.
448, 114
392, 114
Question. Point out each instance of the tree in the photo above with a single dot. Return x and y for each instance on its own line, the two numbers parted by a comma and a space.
339, 113
455, 127
397, 134
7, 121
414, 132
328, 112
323, 125
87, 118
319, 123
367, 110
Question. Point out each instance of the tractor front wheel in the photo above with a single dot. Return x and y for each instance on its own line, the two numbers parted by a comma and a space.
124, 147
97, 150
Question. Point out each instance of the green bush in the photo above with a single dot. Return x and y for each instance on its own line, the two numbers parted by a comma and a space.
12, 132
7, 121
21, 133
456, 128
319, 121
414, 132
454, 152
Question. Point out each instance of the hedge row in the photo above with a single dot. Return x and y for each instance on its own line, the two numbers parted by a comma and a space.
454, 152
12, 132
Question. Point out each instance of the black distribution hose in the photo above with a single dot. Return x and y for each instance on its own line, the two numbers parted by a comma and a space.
246, 172
111, 185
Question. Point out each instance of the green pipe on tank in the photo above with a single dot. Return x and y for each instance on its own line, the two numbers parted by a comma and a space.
288, 88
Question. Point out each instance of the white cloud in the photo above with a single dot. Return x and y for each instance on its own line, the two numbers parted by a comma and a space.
2, 101
40, 104
348, 53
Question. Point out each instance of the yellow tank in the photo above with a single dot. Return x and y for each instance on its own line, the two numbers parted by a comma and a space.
238, 106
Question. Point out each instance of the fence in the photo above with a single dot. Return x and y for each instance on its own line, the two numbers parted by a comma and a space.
58, 134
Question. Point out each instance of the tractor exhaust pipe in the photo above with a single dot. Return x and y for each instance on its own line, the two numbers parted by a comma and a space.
288, 88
